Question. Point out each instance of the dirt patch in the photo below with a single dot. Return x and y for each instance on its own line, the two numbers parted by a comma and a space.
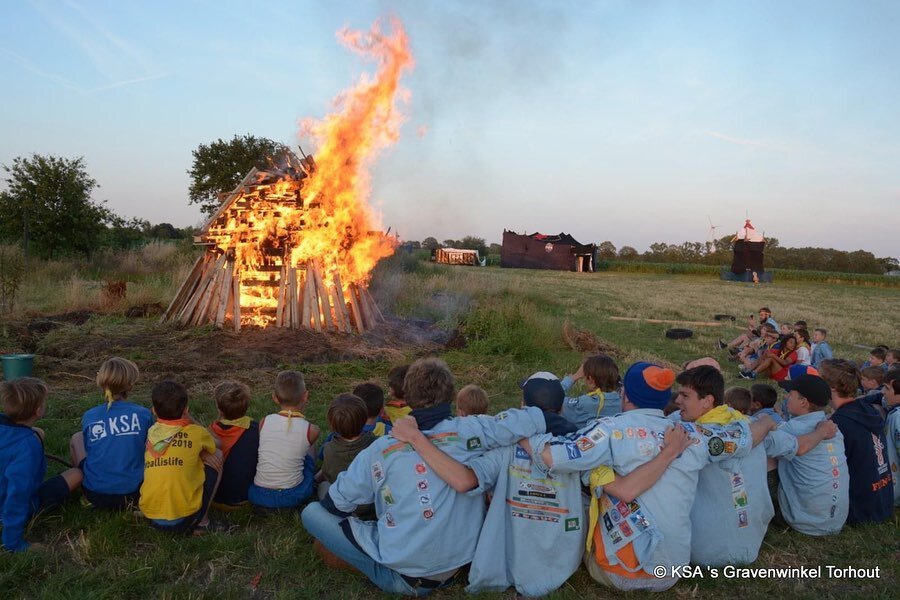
586, 342
72, 351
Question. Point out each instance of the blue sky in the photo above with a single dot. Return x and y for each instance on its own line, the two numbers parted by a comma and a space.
622, 121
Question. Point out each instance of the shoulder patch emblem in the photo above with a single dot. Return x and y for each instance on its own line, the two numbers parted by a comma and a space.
716, 446
572, 524
473, 443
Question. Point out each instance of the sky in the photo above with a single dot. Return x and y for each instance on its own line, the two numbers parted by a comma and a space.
634, 122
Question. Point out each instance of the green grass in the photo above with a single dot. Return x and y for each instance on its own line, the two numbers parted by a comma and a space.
513, 321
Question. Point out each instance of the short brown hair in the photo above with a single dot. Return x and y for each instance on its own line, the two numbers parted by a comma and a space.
23, 397
347, 415
289, 388
472, 400
428, 382
603, 371
738, 398
840, 375
803, 334
395, 380
764, 394
876, 373
169, 399
894, 353
879, 353
232, 399
117, 376
372, 395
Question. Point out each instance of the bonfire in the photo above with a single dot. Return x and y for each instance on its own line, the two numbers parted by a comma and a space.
294, 246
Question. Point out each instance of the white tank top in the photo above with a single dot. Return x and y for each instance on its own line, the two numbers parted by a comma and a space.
283, 443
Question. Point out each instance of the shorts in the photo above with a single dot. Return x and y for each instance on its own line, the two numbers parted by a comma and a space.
188, 523
288, 497
110, 501
52, 493
239, 469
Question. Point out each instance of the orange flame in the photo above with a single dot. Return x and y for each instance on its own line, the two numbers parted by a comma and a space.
324, 217
366, 121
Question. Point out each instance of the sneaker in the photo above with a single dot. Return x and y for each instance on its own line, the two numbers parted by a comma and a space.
734, 351
745, 374
721, 345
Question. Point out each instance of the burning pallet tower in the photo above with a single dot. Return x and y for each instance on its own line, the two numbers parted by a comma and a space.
249, 275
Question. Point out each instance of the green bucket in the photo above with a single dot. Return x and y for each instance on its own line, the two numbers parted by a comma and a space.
16, 366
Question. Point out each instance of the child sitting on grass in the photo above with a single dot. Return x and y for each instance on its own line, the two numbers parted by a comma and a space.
763, 398
346, 417
471, 400
396, 408
373, 396
238, 438
601, 380
181, 465
739, 399
286, 466
543, 390
109, 449
891, 403
23, 491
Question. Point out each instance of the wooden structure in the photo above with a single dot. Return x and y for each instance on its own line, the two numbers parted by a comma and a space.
457, 256
246, 276
539, 251
748, 260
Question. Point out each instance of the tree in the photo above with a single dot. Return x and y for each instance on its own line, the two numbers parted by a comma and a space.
430, 243
449, 243
48, 206
628, 253
607, 250
470, 242
220, 166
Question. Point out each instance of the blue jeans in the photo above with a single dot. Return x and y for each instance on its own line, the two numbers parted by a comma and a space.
326, 527
287, 498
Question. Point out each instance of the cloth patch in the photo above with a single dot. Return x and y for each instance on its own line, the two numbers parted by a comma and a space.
473, 443
572, 451
572, 524
716, 446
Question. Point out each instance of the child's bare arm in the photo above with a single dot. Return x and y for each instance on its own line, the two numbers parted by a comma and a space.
319, 476
313, 434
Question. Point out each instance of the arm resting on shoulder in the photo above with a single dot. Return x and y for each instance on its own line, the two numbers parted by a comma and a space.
454, 473
760, 428
823, 431
640, 480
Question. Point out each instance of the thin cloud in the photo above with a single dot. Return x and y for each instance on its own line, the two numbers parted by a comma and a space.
33, 68
735, 140
123, 83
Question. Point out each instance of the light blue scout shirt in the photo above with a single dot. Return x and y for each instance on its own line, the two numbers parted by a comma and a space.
892, 436
657, 523
580, 410
814, 492
732, 510
424, 527
533, 534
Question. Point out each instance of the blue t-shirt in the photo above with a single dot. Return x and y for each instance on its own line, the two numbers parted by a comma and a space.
114, 440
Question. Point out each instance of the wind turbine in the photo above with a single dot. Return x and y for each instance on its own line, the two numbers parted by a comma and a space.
711, 238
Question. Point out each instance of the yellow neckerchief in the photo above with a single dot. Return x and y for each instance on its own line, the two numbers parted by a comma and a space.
242, 422
290, 414
161, 434
721, 415
600, 476
108, 396
600, 396
379, 429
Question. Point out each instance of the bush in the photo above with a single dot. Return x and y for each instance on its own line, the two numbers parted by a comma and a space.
509, 327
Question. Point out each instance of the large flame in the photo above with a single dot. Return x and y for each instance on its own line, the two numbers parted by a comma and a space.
366, 121
333, 225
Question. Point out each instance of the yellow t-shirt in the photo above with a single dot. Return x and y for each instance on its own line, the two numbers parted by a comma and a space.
173, 474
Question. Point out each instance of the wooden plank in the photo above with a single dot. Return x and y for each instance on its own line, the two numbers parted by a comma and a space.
279, 309
197, 295
201, 316
225, 293
291, 294
323, 297
187, 286
314, 299
354, 308
236, 298
379, 317
368, 318
342, 305
336, 299
670, 321
304, 302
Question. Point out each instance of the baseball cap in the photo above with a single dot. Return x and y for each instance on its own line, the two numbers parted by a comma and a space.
543, 390
811, 387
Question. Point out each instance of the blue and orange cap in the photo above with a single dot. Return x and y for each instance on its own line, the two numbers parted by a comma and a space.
648, 385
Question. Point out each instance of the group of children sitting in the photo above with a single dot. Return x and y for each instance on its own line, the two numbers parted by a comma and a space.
625, 477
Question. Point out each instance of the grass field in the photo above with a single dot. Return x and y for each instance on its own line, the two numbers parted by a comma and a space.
512, 322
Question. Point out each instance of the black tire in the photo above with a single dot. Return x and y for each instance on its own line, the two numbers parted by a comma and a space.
679, 334
731, 318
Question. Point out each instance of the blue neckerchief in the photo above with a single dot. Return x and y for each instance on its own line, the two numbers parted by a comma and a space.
557, 425
428, 417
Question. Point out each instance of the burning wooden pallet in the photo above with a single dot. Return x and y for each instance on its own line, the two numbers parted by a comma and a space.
249, 275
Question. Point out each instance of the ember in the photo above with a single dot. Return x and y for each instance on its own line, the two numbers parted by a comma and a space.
294, 246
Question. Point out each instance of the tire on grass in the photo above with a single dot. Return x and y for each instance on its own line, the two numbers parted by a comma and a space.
679, 334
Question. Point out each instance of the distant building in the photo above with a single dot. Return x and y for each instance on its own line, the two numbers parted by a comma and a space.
540, 251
